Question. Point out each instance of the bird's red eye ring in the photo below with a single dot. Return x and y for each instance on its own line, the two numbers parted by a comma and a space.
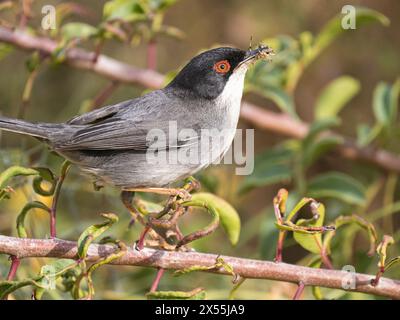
222, 66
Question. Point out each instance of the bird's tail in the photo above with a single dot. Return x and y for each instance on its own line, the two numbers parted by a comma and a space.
23, 127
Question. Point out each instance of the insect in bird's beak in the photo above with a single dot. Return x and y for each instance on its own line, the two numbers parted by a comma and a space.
262, 52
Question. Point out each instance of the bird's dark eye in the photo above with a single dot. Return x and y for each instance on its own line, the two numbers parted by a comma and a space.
222, 66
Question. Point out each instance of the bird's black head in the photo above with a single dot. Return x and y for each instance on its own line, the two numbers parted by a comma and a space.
206, 75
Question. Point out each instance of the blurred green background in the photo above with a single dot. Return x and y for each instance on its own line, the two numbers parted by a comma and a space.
369, 54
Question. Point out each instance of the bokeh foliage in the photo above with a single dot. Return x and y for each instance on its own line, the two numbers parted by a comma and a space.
354, 195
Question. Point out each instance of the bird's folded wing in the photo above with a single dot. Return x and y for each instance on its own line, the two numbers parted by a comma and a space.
98, 114
118, 128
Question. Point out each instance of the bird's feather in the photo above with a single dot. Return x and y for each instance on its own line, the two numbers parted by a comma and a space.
124, 126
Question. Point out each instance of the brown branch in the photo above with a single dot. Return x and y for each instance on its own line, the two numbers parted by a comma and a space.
261, 118
83, 59
246, 268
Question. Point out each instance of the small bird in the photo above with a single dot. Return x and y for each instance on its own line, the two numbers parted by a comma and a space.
112, 143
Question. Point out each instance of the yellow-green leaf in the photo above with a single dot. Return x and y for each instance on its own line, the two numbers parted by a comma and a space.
335, 96
15, 171
229, 218
337, 185
80, 30
311, 242
196, 294
93, 232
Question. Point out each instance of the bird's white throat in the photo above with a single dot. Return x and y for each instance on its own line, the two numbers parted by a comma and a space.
233, 90
230, 98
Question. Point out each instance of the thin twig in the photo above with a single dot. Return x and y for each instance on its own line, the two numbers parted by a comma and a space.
15, 262
152, 55
160, 273
56, 196
299, 291
26, 96
26, 13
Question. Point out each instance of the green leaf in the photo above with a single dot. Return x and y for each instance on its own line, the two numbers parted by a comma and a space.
267, 175
219, 264
382, 250
381, 103
392, 262
146, 207
5, 50
15, 171
6, 287
211, 227
161, 5
311, 242
316, 291
21, 217
229, 218
297, 208
44, 281
365, 134
272, 166
320, 147
33, 61
319, 126
172, 32
50, 272
337, 185
314, 146
80, 30
93, 232
127, 10
282, 99
329, 33
385, 103
44, 174
334, 28
385, 107
352, 219
394, 99
335, 96
196, 294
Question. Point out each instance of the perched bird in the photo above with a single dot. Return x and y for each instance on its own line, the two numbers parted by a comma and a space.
113, 143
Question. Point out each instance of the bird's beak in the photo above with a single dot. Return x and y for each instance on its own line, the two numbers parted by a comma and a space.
262, 52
